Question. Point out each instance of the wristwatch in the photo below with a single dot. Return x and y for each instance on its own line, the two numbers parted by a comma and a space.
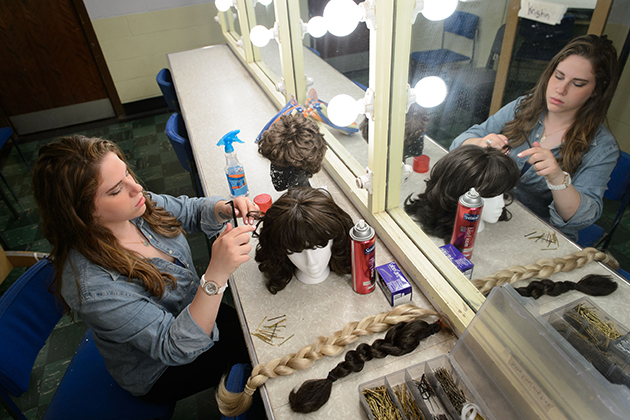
565, 183
210, 287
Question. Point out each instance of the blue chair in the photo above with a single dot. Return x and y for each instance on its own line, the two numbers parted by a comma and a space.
459, 23
178, 136
165, 81
235, 382
618, 190
28, 315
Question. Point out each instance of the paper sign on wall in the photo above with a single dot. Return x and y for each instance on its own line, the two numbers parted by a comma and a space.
541, 11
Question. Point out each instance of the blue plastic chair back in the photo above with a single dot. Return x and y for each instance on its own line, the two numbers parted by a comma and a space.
28, 314
91, 392
619, 178
462, 24
177, 134
165, 81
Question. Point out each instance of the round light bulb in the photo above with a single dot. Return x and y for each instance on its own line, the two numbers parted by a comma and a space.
438, 9
265, 2
316, 27
343, 110
260, 36
341, 17
430, 91
223, 5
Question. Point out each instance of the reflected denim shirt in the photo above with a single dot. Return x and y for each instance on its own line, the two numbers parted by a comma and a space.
590, 179
140, 335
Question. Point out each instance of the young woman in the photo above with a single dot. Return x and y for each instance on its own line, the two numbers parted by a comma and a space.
557, 137
123, 265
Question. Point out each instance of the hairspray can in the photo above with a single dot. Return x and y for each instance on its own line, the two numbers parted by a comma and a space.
466, 222
363, 257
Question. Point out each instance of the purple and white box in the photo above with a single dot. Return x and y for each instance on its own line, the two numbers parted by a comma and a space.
393, 283
462, 263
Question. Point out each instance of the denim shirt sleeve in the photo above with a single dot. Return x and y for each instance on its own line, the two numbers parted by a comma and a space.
493, 124
195, 214
591, 181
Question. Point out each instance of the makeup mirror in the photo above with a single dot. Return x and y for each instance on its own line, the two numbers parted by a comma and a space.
266, 54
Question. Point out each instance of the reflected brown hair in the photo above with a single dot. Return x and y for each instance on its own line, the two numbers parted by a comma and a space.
302, 218
603, 58
66, 176
295, 141
486, 169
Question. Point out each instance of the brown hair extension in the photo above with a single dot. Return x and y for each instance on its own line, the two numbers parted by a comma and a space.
591, 284
302, 218
66, 177
233, 404
544, 268
603, 57
486, 169
400, 340
294, 140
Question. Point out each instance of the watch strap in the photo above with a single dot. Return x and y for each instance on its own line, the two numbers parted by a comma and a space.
565, 183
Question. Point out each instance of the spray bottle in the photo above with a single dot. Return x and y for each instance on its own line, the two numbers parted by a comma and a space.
233, 169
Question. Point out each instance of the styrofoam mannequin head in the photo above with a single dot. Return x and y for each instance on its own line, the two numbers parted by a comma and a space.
312, 264
492, 210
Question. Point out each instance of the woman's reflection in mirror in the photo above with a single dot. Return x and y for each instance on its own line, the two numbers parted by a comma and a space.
296, 150
416, 122
486, 169
557, 135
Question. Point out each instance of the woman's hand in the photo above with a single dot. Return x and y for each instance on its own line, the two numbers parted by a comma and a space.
240, 206
229, 251
544, 163
498, 141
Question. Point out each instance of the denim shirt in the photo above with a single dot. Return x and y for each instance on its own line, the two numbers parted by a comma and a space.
140, 335
590, 179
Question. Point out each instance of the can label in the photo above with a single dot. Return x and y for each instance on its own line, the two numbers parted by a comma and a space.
363, 258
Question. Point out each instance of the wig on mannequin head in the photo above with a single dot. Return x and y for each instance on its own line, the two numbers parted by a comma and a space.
296, 150
303, 218
416, 123
486, 169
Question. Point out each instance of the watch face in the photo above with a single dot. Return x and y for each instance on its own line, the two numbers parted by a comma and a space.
211, 287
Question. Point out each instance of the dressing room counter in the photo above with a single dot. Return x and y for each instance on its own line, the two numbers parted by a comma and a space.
217, 95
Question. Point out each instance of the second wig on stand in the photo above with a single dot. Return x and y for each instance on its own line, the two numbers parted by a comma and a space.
303, 218
486, 169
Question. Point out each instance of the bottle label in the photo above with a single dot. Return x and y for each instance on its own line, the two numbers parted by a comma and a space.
238, 184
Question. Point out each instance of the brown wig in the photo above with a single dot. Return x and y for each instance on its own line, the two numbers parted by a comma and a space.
303, 218
486, 169
416, 122
66, 177
295, 141
603, 57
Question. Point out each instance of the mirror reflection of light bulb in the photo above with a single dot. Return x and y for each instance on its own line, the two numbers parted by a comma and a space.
342, 17
438, 9
316, 27
430, 91
265, 2
260, 36
343, 110
223, 5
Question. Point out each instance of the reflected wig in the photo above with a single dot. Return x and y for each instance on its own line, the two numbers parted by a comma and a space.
302, 218
486, 169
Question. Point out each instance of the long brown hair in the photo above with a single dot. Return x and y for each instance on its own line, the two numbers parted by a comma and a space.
66, 177
603, 57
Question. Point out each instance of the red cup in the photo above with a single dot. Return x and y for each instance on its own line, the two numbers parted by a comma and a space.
421, 164
263, 201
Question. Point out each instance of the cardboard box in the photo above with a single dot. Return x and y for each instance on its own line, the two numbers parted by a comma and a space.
393, 283
462, 263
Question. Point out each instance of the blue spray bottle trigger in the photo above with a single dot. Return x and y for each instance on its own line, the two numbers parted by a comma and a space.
228, 139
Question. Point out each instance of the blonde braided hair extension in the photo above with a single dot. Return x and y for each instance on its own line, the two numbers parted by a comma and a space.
232, 404
544, 268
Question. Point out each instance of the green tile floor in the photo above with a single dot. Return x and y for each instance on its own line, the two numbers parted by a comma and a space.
153, 160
